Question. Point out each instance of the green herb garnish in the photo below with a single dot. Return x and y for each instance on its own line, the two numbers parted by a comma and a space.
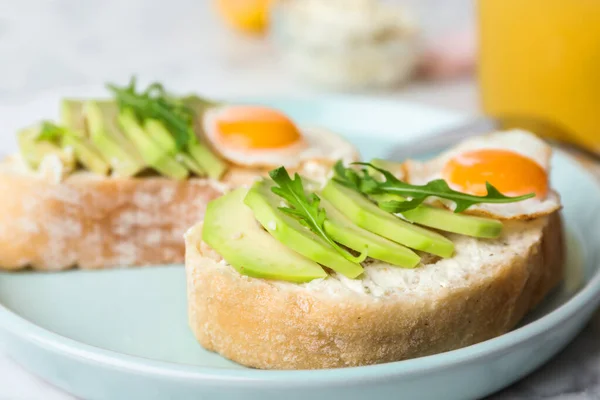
365, 183
49, 132
305, 208
156, 103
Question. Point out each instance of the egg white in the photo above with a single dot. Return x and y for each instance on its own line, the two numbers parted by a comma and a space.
519, 141
316, 144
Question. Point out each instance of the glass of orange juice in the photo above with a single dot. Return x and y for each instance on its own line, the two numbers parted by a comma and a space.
539, 66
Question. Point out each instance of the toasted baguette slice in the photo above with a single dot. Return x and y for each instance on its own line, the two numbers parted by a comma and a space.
390, 314
93, 221
51, 220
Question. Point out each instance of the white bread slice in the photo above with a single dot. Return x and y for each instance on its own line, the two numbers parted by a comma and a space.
390, 314
51, 220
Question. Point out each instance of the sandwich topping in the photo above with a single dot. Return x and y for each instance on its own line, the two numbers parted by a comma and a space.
261, 137
141, 131
366, 215
368, 185
305, 208
515, 162
470, 171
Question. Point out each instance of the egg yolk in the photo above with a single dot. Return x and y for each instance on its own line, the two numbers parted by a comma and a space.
511, 173
255, 127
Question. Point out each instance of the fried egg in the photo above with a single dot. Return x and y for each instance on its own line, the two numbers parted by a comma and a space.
516, 162
257, 136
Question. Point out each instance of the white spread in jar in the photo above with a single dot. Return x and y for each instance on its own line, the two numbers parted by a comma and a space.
346, 43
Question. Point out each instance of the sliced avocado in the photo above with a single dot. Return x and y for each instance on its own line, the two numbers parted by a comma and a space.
204, 156
161, 136
159, 133
108, 139
152, 153
367, 215
199, 158
344, 231
34, 150
438, 218
85, 153
190, 164
208, 161
446, 220
289, 231
73, 120
72, 116
231, 230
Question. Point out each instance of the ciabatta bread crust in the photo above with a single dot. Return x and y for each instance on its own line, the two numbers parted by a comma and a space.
332, 323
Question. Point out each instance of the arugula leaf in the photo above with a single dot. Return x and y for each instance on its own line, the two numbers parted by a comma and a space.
156, 103
306, 208
366, 184
50, 132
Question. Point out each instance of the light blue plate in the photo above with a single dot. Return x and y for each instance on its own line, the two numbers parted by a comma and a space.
123, 334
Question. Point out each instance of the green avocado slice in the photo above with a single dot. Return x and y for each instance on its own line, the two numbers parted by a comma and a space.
231, 230
152, 153
369, 216
34, 150
289, 231
344, 231
109, 140
446, 220
198, 149
72, 118
161, 136
207, 160
85, 153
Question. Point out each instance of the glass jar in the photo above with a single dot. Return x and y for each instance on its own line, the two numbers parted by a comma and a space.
349, 44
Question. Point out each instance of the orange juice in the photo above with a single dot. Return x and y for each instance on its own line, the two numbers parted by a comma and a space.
539, 66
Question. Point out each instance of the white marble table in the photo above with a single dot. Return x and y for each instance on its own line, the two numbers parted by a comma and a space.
46, 45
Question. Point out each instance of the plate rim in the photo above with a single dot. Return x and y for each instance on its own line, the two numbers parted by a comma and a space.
48, 340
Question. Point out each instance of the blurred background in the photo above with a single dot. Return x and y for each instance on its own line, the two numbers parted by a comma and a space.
531, 65
236, 47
